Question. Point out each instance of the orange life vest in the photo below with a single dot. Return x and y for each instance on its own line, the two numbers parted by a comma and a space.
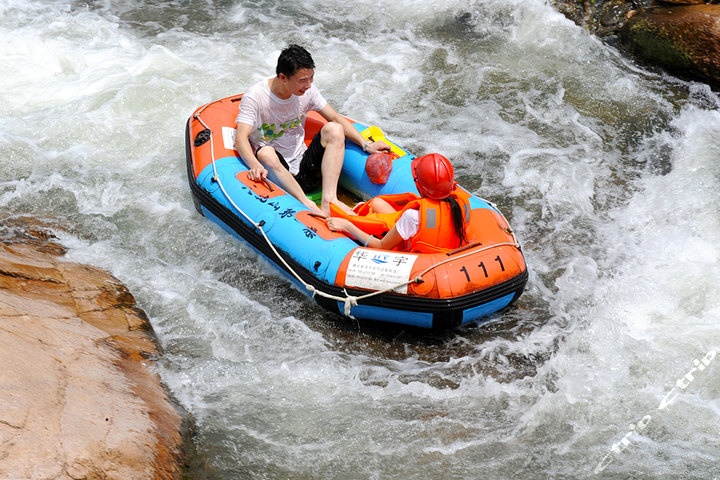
436, 232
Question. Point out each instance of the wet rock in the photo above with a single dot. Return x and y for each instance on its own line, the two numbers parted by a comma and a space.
572, 9
683, 39
79, 396
611, 17
682, 2
601, 17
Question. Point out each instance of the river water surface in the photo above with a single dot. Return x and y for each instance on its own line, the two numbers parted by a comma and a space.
607, 171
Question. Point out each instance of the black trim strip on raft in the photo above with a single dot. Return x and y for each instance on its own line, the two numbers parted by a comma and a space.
190, 173
446, 312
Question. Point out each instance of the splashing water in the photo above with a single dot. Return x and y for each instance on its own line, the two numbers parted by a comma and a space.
607, 172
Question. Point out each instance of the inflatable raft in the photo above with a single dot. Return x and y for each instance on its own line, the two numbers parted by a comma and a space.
438, 290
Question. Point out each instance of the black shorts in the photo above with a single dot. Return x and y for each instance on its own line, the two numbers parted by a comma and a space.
309, 177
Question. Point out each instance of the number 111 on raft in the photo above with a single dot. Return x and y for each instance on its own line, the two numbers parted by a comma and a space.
484, 269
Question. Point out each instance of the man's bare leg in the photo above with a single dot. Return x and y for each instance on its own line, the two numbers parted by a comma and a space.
284, 178
332, 138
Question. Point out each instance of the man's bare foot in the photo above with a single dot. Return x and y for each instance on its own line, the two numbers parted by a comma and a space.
325, 207
314, 208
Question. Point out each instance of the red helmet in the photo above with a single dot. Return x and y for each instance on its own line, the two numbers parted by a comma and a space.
434, 176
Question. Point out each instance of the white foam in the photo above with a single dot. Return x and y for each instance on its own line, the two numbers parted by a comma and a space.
609, 178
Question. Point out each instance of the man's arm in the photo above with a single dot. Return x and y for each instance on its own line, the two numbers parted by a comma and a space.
243, 147
351, 132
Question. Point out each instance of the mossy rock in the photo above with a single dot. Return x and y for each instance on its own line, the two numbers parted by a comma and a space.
682, 39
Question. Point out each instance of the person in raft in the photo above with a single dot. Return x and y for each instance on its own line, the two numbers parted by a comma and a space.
435, 222
271, 132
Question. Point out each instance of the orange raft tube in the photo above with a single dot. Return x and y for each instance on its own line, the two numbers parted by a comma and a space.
430, 290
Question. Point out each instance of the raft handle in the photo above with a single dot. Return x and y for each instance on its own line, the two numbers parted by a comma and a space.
267, 184
202, 137
462, 249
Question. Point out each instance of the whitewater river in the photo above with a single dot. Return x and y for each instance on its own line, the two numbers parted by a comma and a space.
608, 172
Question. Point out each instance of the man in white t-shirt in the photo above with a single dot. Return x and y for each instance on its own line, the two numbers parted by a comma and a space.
271, 132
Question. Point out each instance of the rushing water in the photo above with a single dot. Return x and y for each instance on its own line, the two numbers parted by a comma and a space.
608, 172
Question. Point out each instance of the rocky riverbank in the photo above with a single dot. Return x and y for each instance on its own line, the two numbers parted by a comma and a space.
79, 395
681, 36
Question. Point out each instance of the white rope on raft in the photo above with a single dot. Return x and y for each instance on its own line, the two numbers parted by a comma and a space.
348, 300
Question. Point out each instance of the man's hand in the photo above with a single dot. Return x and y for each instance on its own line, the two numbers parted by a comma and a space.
258, 174
377, 147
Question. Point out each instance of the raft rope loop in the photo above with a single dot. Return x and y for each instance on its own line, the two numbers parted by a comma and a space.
348, 300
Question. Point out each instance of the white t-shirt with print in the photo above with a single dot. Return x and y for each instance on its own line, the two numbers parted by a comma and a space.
279, 123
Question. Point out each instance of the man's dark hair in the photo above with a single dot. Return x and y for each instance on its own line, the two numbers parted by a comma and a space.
292, 59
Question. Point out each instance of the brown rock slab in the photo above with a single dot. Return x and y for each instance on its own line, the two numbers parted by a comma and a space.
78, 393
